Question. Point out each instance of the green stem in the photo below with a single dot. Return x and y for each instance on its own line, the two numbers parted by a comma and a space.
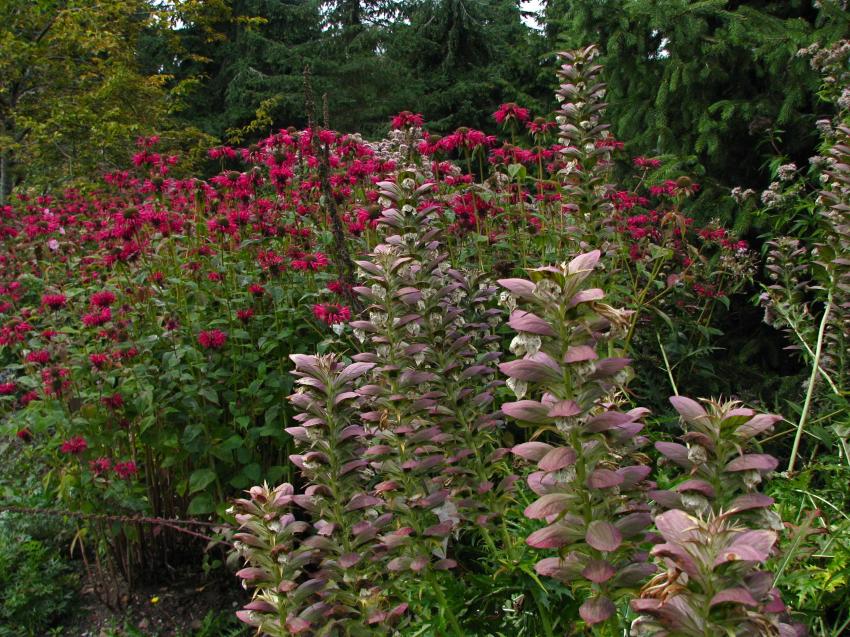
811, 388
544, 615
445, 607
667, 365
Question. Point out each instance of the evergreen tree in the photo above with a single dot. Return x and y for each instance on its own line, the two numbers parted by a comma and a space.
719, 80
249, 56
467, 56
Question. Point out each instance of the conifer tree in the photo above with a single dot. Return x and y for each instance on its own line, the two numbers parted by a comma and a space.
717, 79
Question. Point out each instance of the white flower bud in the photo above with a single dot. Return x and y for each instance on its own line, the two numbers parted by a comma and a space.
519, 387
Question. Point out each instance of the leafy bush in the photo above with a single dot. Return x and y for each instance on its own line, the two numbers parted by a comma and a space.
37, 586
153, 326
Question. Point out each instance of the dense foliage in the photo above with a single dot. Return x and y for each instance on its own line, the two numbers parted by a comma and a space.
717, 86
448, 356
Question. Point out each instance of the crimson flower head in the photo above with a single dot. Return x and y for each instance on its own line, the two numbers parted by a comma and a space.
646, 162
41, 356
331, 313
212, 339
24, 434
125, 470
54, 301
7, 389
340, 287
610, 143
95, 319
245, 315
115, 401
309, 261
406, 119
256, 289
100, 466
99, 360
104, 298
540, 125
511, 111
271, 261
74, 446
466, 139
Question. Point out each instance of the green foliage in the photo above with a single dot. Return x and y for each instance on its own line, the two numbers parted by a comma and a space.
719, 79
68, 78
37, 586
449, 59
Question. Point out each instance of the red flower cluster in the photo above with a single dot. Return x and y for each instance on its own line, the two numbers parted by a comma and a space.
100, 466
540, 125
406, 119
125, 470
104, 298
331, 313
99, 361
74, 446
646, 162
41, 356
307, 261
115, 401
95, 319
511, 111
465, 139
54, 301
212, 339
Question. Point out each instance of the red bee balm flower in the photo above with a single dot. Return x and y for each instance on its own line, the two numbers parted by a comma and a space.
95, 319
99, 360
511, 111
331, 313
115, 401
104, 298
74, 446
38, 356
310, 262
54, 301
212, 339
125, 470
100, 466
406, 119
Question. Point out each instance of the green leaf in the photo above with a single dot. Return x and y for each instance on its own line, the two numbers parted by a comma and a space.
517, 171
252, 472
234, 442
201, 479
210, 394
201, 504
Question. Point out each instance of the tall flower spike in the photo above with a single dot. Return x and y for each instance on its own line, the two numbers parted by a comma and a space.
587, 144
720, 473
718, 532
590, 493
432, 426
324, 581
